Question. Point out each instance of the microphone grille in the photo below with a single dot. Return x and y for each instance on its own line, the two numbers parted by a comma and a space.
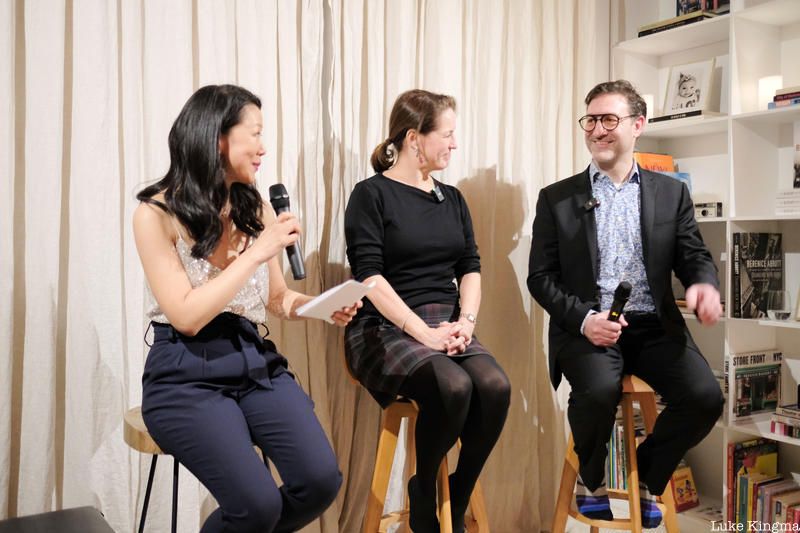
623, 290
278, 191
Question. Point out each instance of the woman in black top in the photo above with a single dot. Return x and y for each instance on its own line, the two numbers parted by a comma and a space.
412, 235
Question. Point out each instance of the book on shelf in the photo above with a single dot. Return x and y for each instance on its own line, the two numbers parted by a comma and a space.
756, 390
683, 7
755, 455
684, 114
791, 410
654, 161
783, 103
787, 96
750, 360
787, 90
796, 163
785, 425
748, 483
788, 202
674, 22
766, 498
783, 502
757, 268
685, 177
684, 491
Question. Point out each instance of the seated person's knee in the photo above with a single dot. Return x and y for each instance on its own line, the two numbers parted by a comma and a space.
599, 395
259, 512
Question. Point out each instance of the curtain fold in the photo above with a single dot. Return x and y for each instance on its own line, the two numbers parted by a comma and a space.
88, 92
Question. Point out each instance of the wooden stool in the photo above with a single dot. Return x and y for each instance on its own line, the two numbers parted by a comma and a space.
387, 443
633, 389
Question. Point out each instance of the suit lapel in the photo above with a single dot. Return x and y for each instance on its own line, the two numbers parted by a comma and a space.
649, 189
583, 193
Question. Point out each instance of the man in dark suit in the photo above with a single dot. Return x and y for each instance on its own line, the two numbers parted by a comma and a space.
615, 222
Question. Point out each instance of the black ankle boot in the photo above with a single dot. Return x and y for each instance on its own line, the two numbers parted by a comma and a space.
422, 509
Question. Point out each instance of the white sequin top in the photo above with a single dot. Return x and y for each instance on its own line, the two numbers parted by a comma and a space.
249, 302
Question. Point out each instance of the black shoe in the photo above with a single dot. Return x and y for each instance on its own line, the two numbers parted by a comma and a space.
422, 509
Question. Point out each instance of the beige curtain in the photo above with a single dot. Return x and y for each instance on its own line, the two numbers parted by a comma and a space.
89, 89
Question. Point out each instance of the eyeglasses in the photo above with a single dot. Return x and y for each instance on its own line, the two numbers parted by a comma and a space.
608, 120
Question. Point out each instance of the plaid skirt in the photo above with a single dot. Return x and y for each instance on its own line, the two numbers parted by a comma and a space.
381, 356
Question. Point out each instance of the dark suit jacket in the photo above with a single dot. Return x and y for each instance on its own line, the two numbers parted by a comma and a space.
563, 268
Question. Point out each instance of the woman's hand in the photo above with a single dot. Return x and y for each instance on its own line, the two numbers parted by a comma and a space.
283, 232
343, 317
445, 338
462, 329
467, 329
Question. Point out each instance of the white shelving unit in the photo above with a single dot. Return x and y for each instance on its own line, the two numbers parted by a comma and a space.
740, 157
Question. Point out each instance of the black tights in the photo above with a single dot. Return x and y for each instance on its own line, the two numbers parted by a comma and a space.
466, 399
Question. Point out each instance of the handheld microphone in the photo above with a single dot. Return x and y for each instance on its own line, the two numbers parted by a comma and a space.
590, 204
621, 296
437, 193
279, 199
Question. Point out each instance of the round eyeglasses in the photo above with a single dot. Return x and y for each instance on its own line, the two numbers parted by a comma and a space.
609, 121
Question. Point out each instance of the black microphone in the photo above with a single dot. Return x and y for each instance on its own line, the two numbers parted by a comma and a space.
437, 193
621, 296
279, 199
590, 204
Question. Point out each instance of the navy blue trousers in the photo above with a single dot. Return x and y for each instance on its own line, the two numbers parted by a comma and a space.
208, 398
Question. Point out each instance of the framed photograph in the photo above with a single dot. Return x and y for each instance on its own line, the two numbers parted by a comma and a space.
688, 87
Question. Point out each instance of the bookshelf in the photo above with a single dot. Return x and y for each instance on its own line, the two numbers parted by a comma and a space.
740, 156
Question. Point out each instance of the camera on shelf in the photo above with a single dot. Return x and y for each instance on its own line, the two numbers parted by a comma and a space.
708, 210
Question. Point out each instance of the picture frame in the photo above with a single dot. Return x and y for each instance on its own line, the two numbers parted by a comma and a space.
688, 87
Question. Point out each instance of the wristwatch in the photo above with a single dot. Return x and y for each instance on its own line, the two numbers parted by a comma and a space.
470, 317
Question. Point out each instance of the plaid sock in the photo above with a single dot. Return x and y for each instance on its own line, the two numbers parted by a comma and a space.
593, 504
651, 514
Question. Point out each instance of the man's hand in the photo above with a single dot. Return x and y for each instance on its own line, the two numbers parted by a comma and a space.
703, 299
601, 331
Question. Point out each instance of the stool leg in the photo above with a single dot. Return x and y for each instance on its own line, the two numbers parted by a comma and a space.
411, 454
387, 443
633, 469
175, 465
445, 515
569, 474
147, 492
478, 509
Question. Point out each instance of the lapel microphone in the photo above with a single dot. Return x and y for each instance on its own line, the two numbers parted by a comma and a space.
437, 194
590, 204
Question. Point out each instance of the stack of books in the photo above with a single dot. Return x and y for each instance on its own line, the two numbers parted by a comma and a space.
788, 96
755, 490
786, 420
663, 164
787, 202
675, 22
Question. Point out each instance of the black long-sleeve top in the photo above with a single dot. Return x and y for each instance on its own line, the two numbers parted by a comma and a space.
420, 245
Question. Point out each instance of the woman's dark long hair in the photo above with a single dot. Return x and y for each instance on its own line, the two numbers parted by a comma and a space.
194, 186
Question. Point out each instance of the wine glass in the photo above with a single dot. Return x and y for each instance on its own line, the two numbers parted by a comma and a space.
778, 305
